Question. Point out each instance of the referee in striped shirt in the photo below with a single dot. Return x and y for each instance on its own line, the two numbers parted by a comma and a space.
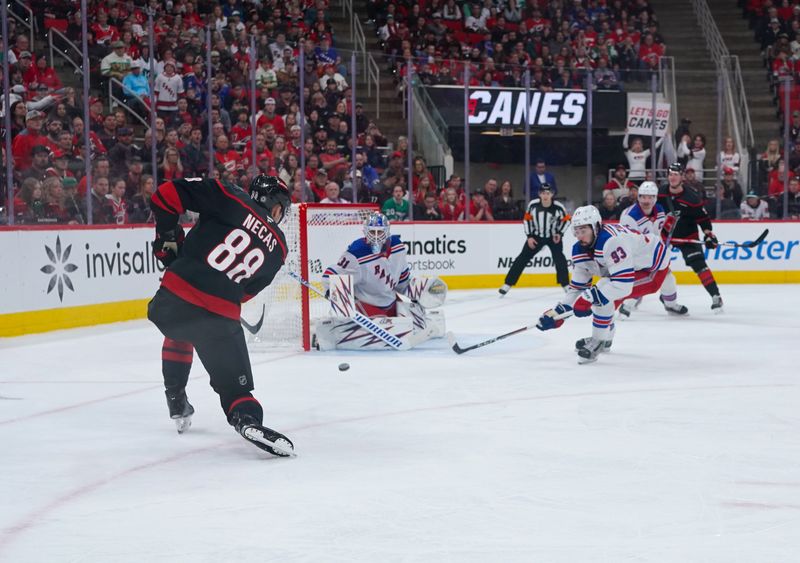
545, 222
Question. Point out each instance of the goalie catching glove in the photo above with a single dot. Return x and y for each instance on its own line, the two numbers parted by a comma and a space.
168, 245
428, 292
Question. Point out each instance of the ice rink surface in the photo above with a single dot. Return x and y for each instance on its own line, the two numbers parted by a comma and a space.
682, 444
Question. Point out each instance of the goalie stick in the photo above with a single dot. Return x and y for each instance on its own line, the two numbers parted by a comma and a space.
751, 244
256, 327
361, 320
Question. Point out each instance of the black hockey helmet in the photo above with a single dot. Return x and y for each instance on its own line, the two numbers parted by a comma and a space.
268, 190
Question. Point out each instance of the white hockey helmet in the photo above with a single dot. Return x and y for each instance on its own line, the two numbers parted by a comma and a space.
586, 215
376, 230
648, 188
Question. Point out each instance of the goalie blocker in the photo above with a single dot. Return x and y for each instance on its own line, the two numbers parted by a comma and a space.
415, 321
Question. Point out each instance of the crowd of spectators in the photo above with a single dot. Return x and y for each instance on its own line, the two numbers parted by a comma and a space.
48, 120
558, 41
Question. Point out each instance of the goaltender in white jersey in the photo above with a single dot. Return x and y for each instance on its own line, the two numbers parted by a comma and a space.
648, 217
374, 275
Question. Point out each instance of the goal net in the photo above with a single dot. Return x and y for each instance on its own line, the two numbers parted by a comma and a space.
316, 235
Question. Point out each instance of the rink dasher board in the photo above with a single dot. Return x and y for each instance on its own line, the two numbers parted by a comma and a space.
56, 277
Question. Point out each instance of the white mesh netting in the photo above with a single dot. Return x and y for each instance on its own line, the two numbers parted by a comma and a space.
329, 229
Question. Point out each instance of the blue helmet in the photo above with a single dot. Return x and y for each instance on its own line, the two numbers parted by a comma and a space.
376, 230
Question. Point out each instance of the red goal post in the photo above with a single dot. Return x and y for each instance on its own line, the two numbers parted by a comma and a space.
316, 235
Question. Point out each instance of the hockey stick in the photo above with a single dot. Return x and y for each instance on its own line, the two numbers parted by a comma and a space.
751, 244
256, 327
451, 339
361, 320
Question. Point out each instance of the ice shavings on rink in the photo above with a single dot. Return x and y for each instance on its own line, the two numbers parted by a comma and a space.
679, 445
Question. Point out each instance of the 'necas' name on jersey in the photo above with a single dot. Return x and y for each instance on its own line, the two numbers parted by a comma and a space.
255, 226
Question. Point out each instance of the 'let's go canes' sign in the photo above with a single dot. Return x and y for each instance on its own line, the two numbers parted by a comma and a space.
639, 120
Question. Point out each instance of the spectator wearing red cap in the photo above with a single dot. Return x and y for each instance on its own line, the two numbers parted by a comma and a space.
60, 167
729, 188
30, 137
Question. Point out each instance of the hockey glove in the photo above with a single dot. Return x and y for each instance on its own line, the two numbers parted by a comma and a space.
711, 240
594, 296
554, 318
669, 225
168, 245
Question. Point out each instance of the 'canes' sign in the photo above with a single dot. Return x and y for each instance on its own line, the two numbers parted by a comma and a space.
640, 115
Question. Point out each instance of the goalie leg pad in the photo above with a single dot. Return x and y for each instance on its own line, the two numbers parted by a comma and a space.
332, 333
432, 321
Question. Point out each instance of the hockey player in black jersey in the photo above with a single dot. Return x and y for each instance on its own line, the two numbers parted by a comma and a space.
688, 204
232, 253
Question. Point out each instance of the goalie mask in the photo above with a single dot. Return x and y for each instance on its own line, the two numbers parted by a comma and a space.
376, 231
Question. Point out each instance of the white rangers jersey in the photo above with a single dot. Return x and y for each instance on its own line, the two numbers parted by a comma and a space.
634, 218
376, 277
619, 253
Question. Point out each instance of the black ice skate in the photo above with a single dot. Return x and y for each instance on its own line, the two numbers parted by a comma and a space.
503, 290
180, 410
674, 308
262, 437
591, 349
716, 303
583, 343
624, 312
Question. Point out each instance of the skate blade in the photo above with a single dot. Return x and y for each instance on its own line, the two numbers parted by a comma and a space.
182, 423
582, 360
672, 313
280, 447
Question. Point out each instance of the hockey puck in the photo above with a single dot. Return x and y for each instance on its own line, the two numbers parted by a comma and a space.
344, 367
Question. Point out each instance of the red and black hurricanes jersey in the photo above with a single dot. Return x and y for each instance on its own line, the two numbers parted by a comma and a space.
232, 253
692, 212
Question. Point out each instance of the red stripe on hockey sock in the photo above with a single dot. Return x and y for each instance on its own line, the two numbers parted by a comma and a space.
176, 357
178, 345
241, 400
706, 277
